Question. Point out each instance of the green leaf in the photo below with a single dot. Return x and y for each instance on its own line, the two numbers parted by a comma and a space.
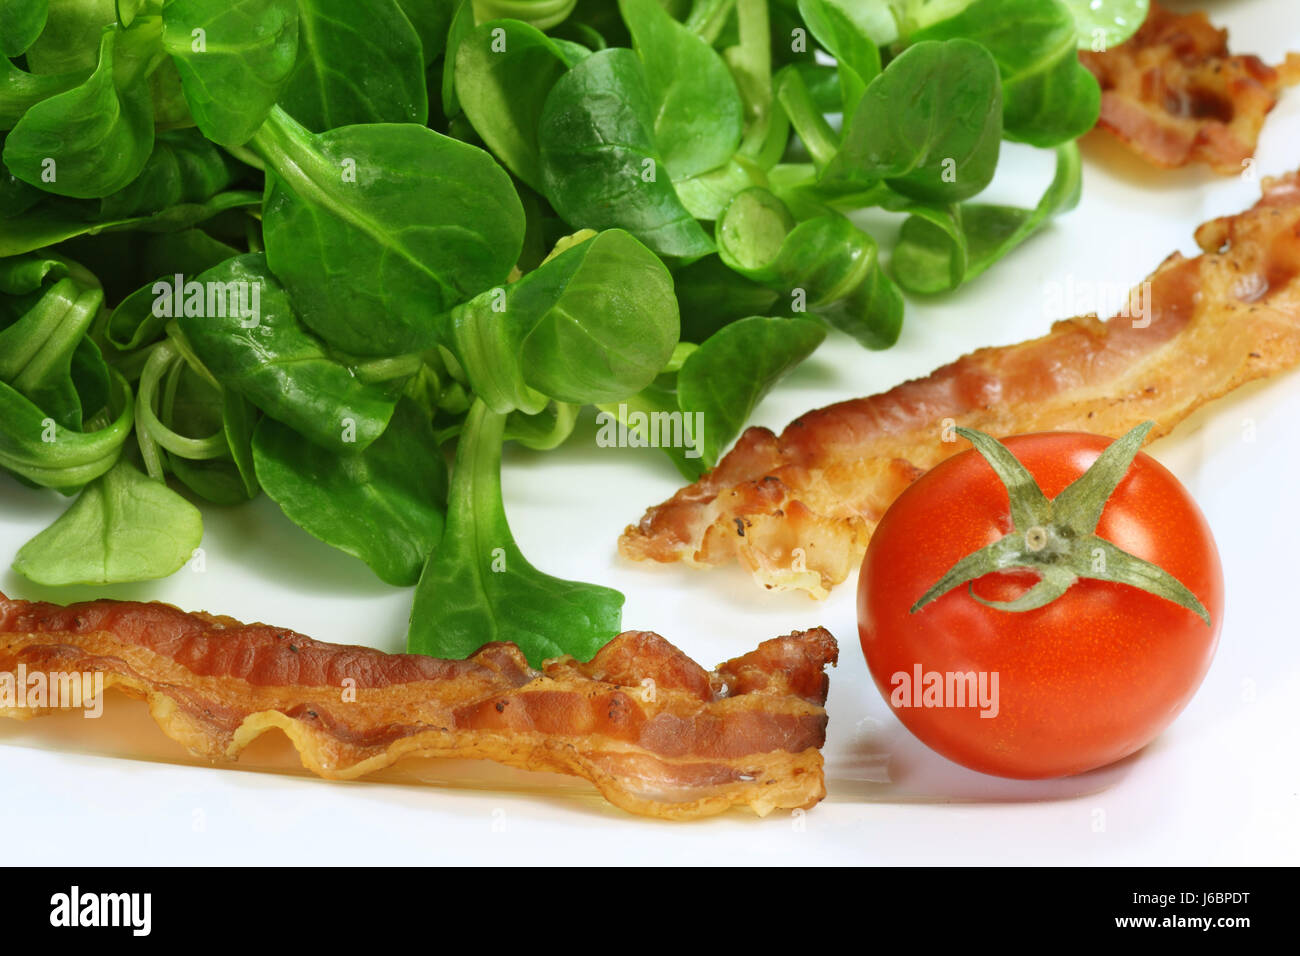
328, 87
878, 20
21, 22
239, 418
1105, 24
91, 140
431, 19
234, 58
20, 90
70, 40
930, 125
462, 22
377, 229
542, 14
924, 259
170, 109
193, 406
601, 320
128, 10
1048, 96
123, 527
44, 353
638, 415
857, 58
592, 324
154, 405
823, 85
544, 431
22, 274
54, 223
215, 480
812, 128
694, 101
39, 450
182, 168
478, 587
711, 296
767, 130
91, 379
504, 71
268, 357
37, 349
726, 377
826, 264
945, 260
600, 164
706, 195
384, 504
133, 324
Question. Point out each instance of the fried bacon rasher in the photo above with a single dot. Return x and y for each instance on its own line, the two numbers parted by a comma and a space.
797, 510
1174, 94
656, 733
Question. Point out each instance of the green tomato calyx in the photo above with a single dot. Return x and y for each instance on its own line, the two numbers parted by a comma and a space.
1056, 538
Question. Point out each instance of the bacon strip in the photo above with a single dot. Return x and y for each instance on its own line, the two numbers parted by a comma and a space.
797, 511
1174, 94
655, 732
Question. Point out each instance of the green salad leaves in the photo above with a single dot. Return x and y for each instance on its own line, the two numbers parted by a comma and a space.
341, 253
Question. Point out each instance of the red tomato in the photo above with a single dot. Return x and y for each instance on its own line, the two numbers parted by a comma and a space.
1081, 682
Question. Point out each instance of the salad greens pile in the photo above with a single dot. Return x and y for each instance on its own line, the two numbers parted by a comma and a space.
314, 248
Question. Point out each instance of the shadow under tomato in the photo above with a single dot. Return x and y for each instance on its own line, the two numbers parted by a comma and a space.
888, 765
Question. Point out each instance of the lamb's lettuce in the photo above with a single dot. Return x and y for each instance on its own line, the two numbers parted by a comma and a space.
316, 248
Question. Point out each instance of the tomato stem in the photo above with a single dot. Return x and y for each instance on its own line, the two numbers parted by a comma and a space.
1056, 539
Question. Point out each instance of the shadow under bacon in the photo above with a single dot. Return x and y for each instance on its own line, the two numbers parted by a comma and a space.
654, 731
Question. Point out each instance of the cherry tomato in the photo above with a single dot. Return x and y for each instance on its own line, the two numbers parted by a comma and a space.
1081, 682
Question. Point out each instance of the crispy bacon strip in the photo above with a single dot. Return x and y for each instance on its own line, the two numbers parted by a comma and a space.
797, 511
655, 732
1174, 94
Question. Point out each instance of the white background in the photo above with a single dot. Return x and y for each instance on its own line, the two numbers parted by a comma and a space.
1221, 785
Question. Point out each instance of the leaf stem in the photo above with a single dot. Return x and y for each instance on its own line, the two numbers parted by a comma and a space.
1056, 538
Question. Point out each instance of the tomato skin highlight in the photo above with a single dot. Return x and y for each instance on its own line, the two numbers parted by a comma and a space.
1082, 682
